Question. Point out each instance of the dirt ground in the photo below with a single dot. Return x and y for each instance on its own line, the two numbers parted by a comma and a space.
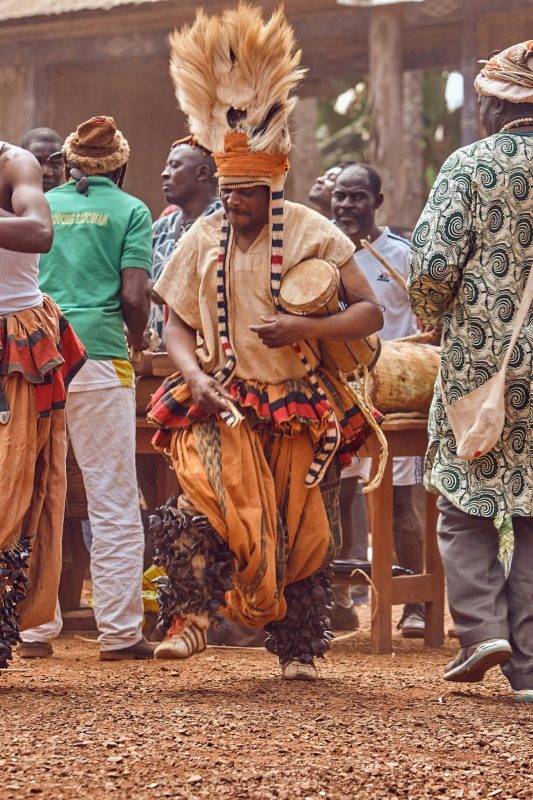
224, 725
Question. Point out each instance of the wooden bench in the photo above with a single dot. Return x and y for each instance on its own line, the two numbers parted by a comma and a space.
405, 437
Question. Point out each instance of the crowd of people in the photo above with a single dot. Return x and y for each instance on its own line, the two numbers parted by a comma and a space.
265, 438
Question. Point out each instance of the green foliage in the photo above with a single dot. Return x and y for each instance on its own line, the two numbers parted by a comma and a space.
344, 137
441, 127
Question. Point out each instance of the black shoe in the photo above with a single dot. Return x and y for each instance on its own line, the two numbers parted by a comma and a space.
344, 619
34, 649
413, 622
231, 634
141, 649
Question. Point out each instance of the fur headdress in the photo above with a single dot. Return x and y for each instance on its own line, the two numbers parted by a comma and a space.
233, 76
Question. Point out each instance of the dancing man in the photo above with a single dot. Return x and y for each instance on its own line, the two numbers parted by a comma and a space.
252, 422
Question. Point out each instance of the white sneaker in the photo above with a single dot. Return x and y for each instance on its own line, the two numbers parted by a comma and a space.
297, 671
191, 640
523, 695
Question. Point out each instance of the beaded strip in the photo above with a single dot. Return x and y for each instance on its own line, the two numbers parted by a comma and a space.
525, 122
225, 374
332, 439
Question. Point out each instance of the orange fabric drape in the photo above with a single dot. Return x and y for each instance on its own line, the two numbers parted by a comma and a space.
249, 483
32, 493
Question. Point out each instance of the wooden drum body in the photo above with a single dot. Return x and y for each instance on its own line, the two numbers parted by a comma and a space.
404, 377
312, 288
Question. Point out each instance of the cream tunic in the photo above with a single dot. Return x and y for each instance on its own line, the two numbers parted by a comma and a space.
188, 286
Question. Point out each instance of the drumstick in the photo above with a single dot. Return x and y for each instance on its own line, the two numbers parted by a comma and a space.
417, 338
383, 261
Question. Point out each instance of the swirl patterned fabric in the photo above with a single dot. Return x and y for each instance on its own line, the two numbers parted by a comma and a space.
471, 255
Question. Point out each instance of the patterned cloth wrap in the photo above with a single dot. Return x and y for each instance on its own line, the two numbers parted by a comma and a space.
286, 408
471, 253
39, 355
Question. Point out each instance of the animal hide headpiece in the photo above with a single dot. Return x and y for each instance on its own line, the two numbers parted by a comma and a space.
233, 76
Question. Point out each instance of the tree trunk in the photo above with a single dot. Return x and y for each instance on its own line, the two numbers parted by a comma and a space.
386, 87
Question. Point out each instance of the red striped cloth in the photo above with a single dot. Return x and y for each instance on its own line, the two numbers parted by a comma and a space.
287, 408
40, 344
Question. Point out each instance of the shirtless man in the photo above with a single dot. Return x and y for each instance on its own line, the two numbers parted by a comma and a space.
39, 353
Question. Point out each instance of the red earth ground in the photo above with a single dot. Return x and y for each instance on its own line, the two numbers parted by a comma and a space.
223, 725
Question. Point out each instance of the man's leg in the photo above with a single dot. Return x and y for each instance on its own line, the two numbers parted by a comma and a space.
101, 426
36, 642
19, 454
477, 597
519, 670
303, 633
199, 568
408, 543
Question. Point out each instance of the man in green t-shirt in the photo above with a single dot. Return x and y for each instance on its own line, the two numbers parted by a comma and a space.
98, 271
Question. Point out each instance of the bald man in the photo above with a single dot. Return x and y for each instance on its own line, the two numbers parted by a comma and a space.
188, 182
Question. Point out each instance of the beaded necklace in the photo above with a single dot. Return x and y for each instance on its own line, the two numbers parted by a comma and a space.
525, 122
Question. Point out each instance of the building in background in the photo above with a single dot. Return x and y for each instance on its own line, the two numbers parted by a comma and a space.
65, 60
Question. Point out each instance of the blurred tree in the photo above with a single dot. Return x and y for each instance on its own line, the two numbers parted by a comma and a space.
345, 123
344, 136
441, 126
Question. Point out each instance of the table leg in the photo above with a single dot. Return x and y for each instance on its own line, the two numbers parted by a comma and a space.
382, 546
166, 481
434, 635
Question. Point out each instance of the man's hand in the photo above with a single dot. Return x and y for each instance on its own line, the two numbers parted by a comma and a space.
142, 344
283, 329
208, 394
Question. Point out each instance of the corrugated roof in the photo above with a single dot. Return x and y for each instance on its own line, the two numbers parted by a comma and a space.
370, 3
21, 9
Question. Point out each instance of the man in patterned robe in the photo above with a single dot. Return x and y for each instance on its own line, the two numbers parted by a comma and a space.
471, 255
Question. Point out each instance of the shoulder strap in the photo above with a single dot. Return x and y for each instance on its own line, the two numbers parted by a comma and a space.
519, 320
521, 315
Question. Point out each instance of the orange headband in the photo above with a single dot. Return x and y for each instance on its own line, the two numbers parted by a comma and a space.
238, 161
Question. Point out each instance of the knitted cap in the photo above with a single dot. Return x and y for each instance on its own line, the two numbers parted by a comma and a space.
97, 146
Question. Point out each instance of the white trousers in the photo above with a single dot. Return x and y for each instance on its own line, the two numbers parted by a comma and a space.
101, 427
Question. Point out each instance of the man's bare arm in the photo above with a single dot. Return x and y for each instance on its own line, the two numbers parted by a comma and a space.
134, 298
31, 229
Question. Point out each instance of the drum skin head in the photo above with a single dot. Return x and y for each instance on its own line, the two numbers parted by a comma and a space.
308, 286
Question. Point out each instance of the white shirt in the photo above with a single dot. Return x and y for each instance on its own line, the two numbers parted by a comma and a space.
19, 279
399, 319
399, 322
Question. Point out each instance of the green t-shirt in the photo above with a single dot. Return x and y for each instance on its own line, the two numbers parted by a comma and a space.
95, 238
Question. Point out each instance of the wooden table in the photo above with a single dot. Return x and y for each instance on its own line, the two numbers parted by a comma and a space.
155, 475
405, 437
